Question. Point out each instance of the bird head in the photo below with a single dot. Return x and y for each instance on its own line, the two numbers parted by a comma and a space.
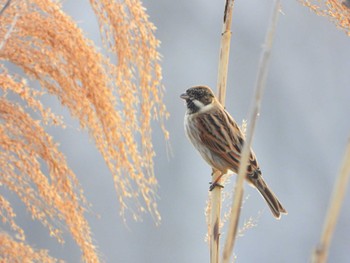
198, 98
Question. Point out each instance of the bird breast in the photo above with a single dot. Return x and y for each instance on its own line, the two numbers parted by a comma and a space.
193, 134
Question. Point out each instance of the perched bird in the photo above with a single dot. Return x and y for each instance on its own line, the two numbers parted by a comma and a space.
219, 140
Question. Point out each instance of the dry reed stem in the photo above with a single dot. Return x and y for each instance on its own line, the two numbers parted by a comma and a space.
336, 10
320, 254
215, 197
224, 51
214, 223
255, 109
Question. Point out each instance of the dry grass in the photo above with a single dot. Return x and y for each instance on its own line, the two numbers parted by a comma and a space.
55, 199
16, 251
339, 13
114, 102
320, 254
254, 111
213, 209
336, 10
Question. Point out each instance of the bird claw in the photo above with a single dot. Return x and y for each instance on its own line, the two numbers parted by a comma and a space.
213, 185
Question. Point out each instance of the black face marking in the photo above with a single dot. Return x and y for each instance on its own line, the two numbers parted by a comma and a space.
191, 106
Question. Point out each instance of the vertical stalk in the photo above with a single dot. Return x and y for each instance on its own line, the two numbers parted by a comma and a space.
255, 108
224, 51
320, 254
215, 215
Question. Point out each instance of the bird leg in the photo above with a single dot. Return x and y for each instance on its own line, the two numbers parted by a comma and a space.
215, 183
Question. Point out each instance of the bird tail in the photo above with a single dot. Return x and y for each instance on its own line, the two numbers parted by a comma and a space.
271, 199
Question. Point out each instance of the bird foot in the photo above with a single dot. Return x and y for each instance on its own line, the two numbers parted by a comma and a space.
213, 185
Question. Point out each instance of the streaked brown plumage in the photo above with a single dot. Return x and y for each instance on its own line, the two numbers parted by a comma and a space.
219, 140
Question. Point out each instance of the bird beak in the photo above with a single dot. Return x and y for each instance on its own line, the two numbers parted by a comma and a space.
184, 96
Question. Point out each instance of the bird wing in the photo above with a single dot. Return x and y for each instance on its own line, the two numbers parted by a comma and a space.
221, 135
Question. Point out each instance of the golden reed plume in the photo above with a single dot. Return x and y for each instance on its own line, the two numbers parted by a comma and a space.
14, 251
338, 11
114, 102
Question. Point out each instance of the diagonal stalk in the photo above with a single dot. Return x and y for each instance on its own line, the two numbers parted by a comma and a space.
320, 254
255, 108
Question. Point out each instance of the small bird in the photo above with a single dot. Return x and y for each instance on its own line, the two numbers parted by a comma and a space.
219, 140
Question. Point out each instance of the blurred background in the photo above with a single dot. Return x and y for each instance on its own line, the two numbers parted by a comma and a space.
299, 141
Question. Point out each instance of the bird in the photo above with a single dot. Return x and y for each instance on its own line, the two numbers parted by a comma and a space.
219, 140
